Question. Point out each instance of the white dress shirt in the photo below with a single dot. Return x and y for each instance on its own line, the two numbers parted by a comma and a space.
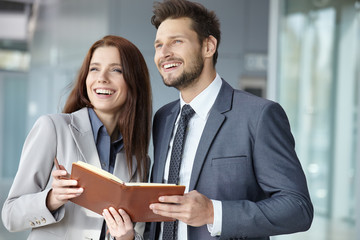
202, 105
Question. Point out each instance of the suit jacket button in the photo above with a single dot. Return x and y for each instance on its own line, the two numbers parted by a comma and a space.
37, 222
43, 220
32, 223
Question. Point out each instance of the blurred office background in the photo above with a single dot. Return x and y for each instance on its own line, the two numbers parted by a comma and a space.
304, 54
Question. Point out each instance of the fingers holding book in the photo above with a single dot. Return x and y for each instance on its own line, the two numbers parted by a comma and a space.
193, 208
64, 173
119, 223
63, 188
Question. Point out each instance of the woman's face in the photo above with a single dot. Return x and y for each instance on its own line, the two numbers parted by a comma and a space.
105, 83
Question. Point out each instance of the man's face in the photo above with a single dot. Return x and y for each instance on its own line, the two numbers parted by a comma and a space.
178, 53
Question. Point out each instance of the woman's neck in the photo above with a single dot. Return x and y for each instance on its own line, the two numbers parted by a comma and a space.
110, 122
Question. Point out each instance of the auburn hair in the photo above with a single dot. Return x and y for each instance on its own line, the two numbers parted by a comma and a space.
135, 121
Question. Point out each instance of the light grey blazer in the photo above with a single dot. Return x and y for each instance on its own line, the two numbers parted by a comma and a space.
69, 137
246, 160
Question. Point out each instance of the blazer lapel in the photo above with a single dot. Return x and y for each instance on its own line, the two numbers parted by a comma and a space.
80, 129
216, 118
164, 142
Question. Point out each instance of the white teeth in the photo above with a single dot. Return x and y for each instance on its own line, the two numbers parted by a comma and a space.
170, 65
104, 91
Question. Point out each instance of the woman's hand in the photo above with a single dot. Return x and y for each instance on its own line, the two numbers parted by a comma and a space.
62, 190
119, 224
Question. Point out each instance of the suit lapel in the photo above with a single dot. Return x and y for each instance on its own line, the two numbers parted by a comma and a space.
216, 118
80, 129
164, 142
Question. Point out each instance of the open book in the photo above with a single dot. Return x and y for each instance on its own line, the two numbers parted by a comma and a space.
103, 190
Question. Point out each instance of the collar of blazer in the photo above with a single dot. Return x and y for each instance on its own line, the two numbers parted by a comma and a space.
222, 104
80, 128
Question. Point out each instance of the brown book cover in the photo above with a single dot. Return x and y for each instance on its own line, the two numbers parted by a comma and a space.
103, 190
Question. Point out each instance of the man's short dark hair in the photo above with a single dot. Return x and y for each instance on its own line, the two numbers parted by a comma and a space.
204, 22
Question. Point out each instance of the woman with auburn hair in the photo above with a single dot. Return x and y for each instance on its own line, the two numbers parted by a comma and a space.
106, 123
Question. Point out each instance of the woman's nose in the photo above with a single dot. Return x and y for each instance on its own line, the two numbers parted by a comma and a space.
102, 77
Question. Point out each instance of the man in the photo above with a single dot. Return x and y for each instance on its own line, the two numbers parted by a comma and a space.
242, 176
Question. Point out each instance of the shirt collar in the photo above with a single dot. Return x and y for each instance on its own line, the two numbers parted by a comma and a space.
203, 102
98, 127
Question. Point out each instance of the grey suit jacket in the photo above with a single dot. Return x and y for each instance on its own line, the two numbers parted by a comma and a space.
245, 159
69, 137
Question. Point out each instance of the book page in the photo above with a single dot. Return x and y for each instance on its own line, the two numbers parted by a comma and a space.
98, 171
113, 177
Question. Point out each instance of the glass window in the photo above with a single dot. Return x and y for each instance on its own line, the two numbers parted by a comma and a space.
13, 121
318, 85
306, 92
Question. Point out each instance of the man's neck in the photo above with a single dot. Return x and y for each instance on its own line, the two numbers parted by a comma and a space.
205, 79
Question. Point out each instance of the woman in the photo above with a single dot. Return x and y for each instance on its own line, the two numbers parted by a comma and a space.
106, 122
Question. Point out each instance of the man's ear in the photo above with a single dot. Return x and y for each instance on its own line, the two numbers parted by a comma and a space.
210, 44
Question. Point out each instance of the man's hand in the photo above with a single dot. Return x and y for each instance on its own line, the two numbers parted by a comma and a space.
193, 208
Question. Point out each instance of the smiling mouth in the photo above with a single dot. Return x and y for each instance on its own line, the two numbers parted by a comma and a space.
104, 92
171, 65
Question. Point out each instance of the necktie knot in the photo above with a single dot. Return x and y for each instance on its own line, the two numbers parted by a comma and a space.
187, 112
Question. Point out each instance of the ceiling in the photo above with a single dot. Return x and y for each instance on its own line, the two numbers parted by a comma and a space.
17, 22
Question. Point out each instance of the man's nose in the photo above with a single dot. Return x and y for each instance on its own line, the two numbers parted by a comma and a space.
165, 51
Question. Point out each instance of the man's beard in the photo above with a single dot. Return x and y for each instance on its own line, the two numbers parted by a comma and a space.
187, 78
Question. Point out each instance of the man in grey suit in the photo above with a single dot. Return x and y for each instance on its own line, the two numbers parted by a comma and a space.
242, 176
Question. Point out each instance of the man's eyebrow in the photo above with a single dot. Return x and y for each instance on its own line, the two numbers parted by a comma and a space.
171, 37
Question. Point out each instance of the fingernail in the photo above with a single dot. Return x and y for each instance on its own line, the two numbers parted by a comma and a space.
161, 199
